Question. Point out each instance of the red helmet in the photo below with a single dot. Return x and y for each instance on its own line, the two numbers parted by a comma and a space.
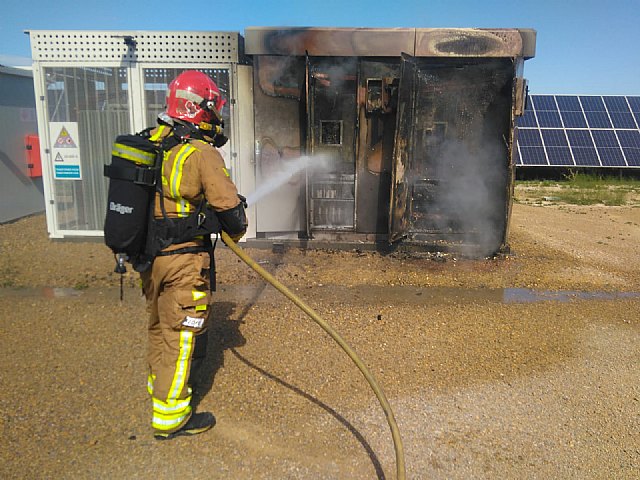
193, 97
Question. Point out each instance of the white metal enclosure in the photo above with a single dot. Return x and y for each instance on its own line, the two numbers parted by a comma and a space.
92, 86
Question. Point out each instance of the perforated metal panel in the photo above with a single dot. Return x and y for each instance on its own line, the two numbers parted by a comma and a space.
134, 46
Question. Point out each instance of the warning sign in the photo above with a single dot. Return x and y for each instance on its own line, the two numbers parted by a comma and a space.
64, 140
65, 150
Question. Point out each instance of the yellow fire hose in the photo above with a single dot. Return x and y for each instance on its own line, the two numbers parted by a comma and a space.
395, 433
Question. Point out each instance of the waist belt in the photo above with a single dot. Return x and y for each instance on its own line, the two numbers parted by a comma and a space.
178, 251
207, 247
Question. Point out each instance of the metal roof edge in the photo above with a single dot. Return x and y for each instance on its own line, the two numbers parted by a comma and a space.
356, 41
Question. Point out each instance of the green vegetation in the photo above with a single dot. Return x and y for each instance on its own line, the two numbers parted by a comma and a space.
580, 189
81, 285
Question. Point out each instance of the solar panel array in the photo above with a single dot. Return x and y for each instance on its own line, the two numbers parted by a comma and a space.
579, 131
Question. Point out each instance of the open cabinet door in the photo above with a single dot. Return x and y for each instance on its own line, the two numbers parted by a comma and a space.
402, 153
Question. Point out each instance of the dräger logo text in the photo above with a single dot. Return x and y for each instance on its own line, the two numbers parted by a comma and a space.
121, 209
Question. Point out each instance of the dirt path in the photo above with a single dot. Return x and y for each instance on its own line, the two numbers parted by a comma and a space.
495, 368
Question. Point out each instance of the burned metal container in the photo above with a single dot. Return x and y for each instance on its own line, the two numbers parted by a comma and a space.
407, 134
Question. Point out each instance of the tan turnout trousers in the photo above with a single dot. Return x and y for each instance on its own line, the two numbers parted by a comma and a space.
177, 294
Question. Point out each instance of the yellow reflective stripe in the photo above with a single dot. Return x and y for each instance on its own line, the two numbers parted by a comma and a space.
182, 206
201, 308
134, 154
165, 156
178, 165
171, 409
163, 173
165, 418
182, 364
169, 420
197, 294
150, 380
226, 172
169, 424
171, 414
158, 135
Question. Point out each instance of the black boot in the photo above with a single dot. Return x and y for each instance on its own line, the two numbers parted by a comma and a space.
198, 423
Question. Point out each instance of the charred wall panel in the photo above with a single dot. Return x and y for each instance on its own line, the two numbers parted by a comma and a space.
456, 171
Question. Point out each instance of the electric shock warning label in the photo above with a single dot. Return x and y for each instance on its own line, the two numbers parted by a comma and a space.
65, 150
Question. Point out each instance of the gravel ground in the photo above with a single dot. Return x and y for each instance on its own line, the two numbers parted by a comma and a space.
523, 366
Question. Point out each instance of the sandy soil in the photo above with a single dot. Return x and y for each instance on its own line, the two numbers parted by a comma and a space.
522, 366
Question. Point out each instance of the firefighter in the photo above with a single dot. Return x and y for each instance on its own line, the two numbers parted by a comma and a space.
177, 286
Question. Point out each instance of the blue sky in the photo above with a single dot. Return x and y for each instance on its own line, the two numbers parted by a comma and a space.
583, 47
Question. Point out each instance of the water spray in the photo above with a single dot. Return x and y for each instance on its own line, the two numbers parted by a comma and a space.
395, 432
294, 166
